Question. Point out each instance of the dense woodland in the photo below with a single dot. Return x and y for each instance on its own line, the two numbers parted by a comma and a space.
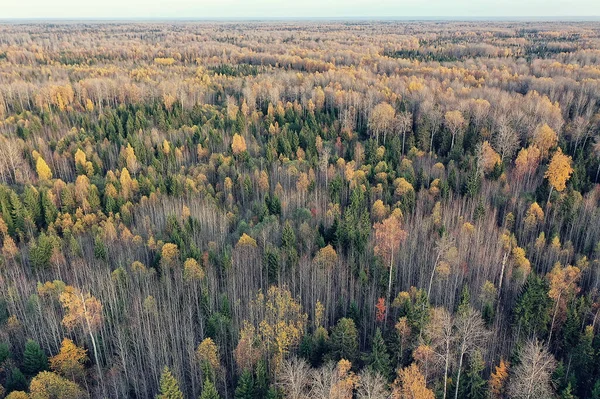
405, 210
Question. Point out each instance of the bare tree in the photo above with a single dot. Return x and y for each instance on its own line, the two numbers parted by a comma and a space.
293, 378
531, 378
371, 385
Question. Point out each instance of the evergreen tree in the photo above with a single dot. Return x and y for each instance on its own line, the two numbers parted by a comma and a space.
262, 379
473, 386
34, 358
245, 386
344, 340
596, 390
4, 352
567, 393
169, 387
209, 391
379, 358
583, 357
15, 380
532, 311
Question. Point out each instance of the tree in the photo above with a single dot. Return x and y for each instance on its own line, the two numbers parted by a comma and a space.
207, 354
559, 171
17, 395
498, 380
527, 161
209, 391
42, 168
48, 385
563, 286
34, 358
83, 311
238, 144
531, 377
333, 381
278, 322
344, 340
169, 387
388, 236
470, 334
455, 122
487, 158
379, 358
371, 385
473, 385
532, 310
245, 386
293, 378
69, 362
545, 139
381, 119
410, 384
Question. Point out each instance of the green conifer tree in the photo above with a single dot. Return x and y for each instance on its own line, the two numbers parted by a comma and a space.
169, 387
245, 387
344, 340
209, 391
34, 359
379, 358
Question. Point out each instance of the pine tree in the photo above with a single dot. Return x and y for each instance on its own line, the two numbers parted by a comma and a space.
34, 359
245, 387
209, 391
169, 387
379, 359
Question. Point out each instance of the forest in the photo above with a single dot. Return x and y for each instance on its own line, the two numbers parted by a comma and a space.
294, 210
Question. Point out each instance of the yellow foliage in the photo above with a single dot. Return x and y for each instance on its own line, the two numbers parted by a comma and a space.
47, 385
545, 139
166, 61
246, 241
208, 353
488, 157
192, 271
238, 144
498, 379
559, 170
82, 309
69, 362
410, 384
169, 254
326, 257
42, 168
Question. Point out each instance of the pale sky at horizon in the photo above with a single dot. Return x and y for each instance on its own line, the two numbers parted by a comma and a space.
255, 9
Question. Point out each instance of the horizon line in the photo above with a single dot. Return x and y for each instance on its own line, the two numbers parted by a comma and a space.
483, 18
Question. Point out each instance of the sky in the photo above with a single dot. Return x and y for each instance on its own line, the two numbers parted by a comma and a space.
294, 9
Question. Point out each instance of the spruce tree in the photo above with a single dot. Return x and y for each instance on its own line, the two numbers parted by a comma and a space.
379, 358
15, 380
532, 311
473, 386
209, 391
169, 387
262, 379
34, 359
245, 386
344, 340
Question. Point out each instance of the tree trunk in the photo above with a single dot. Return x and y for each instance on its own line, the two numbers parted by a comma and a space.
389, 293
458, 375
